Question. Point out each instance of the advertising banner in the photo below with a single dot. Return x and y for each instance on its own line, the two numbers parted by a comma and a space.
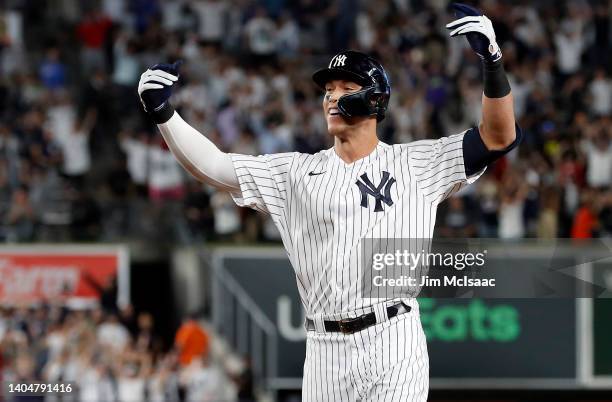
30, 274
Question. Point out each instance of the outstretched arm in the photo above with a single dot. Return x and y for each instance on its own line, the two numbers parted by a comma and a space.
196, 153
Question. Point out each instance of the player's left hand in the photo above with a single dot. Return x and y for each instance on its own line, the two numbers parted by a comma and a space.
478, 30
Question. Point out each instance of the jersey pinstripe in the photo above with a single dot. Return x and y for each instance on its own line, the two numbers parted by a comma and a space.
317, 205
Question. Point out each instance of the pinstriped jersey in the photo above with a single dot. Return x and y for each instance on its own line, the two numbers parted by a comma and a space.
324, 208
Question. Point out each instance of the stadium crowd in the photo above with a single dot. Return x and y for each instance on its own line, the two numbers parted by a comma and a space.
111, 355
80, 160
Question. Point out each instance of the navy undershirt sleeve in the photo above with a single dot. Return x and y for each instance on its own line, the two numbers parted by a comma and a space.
476, 156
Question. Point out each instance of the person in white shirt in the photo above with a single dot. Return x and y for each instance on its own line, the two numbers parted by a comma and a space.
74, 144
166, 181
261, 35
599, 161
570, 44
600, 90
212, 16
111, 333
137, 152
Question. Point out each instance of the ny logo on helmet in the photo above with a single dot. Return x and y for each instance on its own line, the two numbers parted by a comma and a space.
338, 61
366, 187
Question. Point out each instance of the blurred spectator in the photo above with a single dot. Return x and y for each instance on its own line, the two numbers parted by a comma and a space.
112, 334
92, 32
212, 15
107, 292
585, 222
287, 36
548, 224
9, 153
601, 94
599, 160
165, 174
511, 223
85, 216
74, 145
52, 71
261, 36
145, 339
126, 70
487, 198
198, 211
137, 153
20, 217
569, 43
227, 218
145, 14
202, 381
457, 221
117, 209
96, 382
191, 341
132, 370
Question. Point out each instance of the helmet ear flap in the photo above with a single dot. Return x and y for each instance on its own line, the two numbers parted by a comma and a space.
378, 102
357, 104
365, 102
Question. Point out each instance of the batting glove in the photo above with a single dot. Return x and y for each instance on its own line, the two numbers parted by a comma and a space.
155, 88
478, 30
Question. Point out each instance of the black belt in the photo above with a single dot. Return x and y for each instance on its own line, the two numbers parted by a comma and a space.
352, 325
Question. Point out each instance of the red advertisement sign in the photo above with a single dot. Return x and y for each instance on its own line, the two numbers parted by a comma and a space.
42, 273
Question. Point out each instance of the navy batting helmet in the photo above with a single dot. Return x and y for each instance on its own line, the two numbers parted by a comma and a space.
373, 98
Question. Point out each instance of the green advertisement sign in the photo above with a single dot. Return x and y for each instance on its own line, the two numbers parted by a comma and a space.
500, 338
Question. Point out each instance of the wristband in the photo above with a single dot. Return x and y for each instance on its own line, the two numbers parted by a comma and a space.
496, 83
162, 113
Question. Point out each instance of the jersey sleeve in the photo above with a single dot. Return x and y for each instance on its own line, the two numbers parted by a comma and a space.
438, 166
263, 181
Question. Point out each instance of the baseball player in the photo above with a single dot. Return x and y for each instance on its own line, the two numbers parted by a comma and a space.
326, 204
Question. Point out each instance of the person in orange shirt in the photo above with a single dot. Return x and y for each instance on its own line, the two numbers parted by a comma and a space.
585, 220
191, 341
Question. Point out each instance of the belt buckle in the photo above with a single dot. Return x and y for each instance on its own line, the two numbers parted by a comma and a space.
347, 326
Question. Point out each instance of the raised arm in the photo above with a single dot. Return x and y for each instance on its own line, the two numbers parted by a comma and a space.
497, 132
497, 126
196, 153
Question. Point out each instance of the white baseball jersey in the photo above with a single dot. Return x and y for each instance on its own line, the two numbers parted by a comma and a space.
324, 208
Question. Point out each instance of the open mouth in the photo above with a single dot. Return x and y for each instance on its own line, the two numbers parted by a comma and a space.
333, 111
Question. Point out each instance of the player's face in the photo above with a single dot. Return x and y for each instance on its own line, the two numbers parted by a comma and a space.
336, 123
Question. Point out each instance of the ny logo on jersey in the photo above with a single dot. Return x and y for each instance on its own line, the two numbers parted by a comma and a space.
366, 187
338, 61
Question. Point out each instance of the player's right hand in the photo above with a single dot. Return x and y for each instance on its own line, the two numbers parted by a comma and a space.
155, 88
